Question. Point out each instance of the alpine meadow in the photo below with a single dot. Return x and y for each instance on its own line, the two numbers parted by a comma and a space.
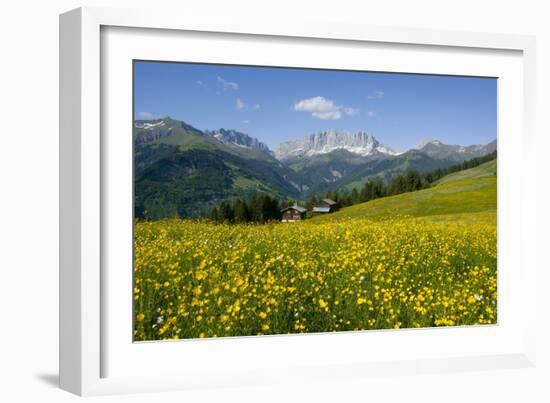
295, 216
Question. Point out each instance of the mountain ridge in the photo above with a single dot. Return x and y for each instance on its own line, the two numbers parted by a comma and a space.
317, 143
230, 136
324, 142
181, 170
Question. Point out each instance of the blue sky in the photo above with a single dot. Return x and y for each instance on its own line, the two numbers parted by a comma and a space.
280, 104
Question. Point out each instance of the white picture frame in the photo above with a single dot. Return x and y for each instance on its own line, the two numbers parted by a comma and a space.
88, 341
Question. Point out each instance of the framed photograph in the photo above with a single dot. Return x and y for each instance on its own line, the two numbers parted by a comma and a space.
248, 202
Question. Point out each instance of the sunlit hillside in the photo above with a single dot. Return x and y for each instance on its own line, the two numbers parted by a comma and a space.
470, 191
419, 259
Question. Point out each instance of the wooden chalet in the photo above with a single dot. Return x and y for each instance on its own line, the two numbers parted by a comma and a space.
293, 213
325, 206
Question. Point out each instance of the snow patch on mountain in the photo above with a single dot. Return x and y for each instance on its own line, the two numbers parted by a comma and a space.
149, 125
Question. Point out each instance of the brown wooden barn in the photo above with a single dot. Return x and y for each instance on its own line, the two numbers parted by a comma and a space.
325, 206
293, 213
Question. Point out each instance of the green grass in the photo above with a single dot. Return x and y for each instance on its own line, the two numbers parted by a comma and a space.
466, 192
488, 169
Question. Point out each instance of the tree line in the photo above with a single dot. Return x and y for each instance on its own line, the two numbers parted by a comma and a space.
410, 181
260, 208
471, 163
263, 208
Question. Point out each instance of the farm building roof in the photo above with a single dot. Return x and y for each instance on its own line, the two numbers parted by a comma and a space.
295, 207
318, 209
329, 201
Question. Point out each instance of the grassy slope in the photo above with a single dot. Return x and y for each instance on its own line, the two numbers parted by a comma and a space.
488, 169
459, 194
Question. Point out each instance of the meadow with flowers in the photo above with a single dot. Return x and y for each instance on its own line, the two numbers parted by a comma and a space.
420, 259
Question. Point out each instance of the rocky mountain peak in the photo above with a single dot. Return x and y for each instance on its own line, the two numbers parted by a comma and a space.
324, 142
237, 138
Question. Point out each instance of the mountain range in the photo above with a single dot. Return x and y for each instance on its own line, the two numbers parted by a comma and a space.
181, 170
361, 143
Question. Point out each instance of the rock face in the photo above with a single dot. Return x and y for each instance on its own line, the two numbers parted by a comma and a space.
359, 143
238, 138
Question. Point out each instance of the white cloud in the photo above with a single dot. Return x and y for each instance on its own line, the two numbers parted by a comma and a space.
246, 121
372, 114
332, 115
323, 108
146, 115
351, 111
228, 85
199, 82
241, 105
376, 94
